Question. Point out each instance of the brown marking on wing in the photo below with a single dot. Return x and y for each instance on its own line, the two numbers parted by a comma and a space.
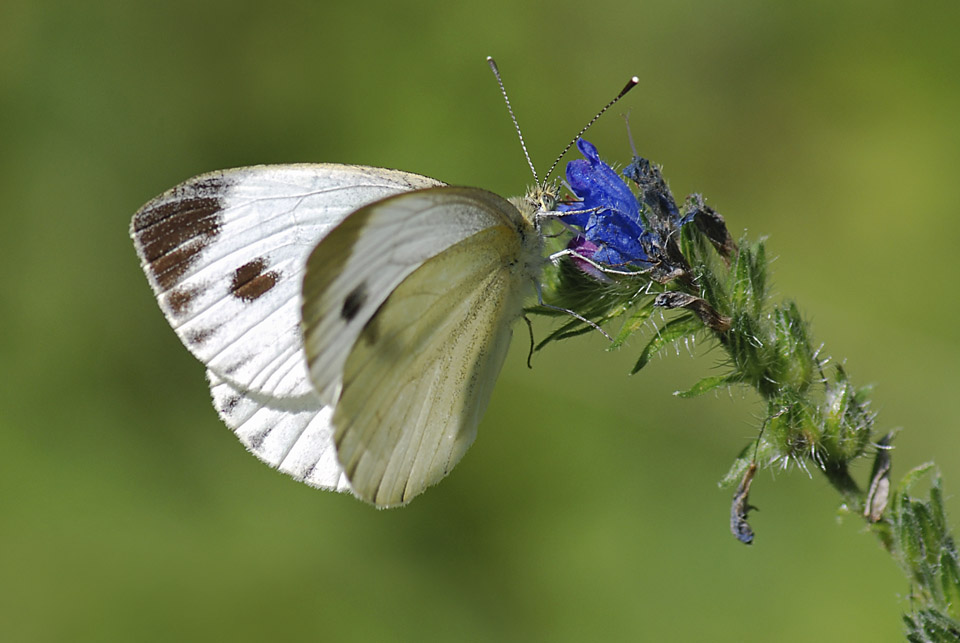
172, 231
252, 280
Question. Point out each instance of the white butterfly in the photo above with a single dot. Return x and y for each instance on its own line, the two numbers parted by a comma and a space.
352, 319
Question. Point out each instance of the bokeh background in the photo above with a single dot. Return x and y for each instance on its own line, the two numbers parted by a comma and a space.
588, 509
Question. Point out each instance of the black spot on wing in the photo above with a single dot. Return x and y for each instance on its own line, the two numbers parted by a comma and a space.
354, 301
257, 440
179, 300
230, 404
200, 337
251, 280
172, 230
237, 365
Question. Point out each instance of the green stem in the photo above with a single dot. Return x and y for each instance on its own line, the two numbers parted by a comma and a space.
839, 476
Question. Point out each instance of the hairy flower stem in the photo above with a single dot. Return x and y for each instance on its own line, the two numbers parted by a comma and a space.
687, 263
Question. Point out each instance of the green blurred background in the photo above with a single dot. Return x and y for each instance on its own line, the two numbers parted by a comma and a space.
588, 508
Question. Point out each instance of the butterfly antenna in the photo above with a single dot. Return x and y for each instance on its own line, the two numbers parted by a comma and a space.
516, 125
633, 82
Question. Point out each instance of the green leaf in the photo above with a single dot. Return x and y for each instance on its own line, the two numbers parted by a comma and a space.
927, 552
635, 322
758, 277
673, 330
909, 539
951, 579
708, 384
931, 626
572, 328
936, 505
744, 459
911, 477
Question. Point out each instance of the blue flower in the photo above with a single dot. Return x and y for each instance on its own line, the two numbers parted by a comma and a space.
607, 212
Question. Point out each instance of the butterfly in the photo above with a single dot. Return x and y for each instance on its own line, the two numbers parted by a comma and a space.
352, 320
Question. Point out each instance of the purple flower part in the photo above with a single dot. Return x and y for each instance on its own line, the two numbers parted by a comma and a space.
584, 248
581, 246
598, 186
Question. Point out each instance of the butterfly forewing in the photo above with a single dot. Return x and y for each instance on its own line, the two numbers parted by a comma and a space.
225, 253
413, 364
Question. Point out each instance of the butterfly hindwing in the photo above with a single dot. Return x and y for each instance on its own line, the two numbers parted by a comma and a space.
292, 434
412, 362
358, 265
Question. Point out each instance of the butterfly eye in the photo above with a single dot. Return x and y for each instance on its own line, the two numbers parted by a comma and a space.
547, 198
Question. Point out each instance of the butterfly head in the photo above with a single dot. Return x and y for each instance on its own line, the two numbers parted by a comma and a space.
540, 199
